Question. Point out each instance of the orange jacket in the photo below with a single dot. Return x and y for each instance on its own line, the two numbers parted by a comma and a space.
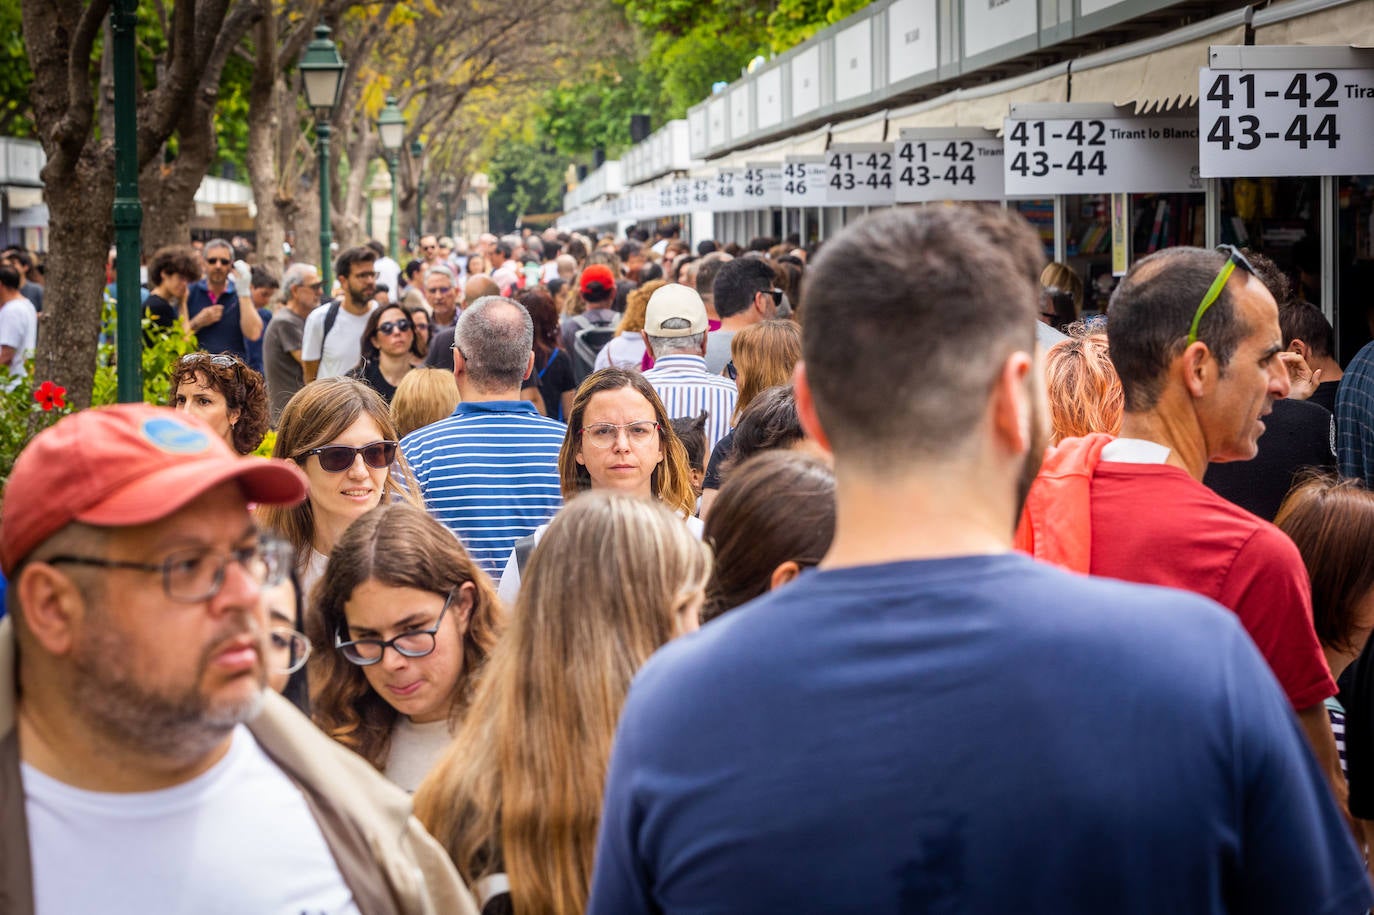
1056, 524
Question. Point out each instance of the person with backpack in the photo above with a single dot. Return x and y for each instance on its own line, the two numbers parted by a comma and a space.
331, 343
584, 335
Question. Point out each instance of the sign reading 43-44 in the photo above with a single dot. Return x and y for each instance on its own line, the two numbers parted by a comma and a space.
860, 174
1285, 110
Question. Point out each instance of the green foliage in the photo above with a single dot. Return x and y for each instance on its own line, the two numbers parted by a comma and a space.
16, 115
595, 112
794, 21
527, 177
21, 418
162, 347
231, 117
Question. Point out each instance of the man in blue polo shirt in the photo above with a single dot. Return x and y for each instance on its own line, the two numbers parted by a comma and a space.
930, 722
490, 471
212, 304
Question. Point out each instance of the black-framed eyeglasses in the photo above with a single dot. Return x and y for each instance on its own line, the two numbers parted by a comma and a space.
391, 327
1234, 259
318, 287
776, 294
193, 575
338, 458
416, 644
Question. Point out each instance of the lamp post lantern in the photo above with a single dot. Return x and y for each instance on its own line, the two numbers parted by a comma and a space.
322, 72
417, 155
391, 127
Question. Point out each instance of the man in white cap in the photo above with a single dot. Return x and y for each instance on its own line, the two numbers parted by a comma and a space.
675, 327
143, 764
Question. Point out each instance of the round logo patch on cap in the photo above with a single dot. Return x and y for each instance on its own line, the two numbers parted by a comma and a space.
173, 437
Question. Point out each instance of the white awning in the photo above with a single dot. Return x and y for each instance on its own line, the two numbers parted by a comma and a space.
1157, 74
983, 106
871, 128
1317, 22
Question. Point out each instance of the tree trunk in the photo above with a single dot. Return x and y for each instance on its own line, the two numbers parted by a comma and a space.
307, 226
264, 136
81, 232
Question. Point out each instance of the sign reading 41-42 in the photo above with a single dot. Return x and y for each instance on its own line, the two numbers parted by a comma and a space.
860, 174
948, 163
1283, 110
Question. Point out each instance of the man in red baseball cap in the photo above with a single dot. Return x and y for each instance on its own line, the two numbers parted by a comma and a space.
586, 333
136, 736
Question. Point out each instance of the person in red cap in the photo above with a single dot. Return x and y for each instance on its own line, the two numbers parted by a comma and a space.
136, 735
584, 334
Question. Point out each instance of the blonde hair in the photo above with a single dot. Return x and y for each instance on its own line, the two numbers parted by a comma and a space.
1084, 391
520, 789
424, 396
636, 304
1062, 277
764, 355
315, 416
671, 481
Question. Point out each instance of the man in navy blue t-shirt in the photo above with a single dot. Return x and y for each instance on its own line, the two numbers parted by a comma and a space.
930, 722
212, 305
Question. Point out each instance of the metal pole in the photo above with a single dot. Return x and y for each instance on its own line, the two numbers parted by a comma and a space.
419, 200
392, 241
326, 236
128, 210
1329, 260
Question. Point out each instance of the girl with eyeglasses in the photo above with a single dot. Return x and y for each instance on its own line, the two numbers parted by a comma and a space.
620, 438
387, 351
403, 623
340, 433
517, 799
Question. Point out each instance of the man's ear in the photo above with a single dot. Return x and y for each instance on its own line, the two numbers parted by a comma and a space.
806, 409
1013, 403
1301, 348
1195, 366
529, 366
52, 605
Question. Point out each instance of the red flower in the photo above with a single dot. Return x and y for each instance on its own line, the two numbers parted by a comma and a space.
50, 395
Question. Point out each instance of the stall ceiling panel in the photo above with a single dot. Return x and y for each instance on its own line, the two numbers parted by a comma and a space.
768, 98
990, 24
806, 81
911, 39
1346, 24
718, 128
1158, 81
696, 129
854, 61
740, 121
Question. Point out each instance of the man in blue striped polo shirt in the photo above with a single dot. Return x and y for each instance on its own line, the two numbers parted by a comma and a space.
675, 328
490, 471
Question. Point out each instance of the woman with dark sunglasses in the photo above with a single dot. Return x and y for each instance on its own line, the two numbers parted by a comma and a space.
388, 350
340, 433
403, 623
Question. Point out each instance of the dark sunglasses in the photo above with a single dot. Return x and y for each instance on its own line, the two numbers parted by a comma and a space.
1234, 259
217, 260
338, 458
391, 327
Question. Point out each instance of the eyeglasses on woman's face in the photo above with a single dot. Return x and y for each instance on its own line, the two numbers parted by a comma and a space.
414, 644
605, 435
338, 458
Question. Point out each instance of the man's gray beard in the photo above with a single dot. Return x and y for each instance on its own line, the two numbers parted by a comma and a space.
113, 703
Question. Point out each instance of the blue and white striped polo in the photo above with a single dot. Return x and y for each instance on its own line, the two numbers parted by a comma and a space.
489, 472
686, 388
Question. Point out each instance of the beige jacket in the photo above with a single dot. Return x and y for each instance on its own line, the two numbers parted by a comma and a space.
392, 866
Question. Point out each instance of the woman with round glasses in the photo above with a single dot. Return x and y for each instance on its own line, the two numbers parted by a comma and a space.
340, 433
226, 393
287, 649
388, 350
404, 622
516, 800
620, 438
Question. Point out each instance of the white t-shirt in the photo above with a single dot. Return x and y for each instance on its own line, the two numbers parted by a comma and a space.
415, 749
344, 347
389, 272
238, 838
19, 329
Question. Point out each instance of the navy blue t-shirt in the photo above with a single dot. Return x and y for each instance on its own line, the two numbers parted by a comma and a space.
972, 735
224, 336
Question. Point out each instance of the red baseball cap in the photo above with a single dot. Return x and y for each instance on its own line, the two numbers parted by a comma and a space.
597, 273
122, 466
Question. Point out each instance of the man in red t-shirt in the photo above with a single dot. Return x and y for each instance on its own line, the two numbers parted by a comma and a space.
1195, 338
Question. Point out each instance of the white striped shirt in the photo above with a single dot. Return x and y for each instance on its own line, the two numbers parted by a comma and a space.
490, 473
686, 388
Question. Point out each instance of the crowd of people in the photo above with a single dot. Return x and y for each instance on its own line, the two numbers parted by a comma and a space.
615, 575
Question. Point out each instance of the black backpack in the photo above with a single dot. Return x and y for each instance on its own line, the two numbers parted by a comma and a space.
588, 341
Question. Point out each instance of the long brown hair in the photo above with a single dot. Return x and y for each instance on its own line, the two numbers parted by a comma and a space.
520, 789
764, 355
316, 415
671, 481
399, 546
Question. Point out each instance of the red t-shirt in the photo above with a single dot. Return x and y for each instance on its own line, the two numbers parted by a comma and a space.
1154, 524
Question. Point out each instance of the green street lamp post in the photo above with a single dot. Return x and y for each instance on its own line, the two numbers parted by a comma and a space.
391, 127
322, 72
128, 211
417, 155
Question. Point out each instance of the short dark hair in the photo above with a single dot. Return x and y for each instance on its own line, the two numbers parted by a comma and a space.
706, 246
691, 431
1271, 275
176, 260
263, 279
629, 249
738, 282
1305, 321
1152, 310
19, 256
358, 254
762, 243
376, 247
886, 285
503, 248
9, 277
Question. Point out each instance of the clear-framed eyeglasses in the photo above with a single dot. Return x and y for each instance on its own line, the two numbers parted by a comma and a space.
197, 574
290, 650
